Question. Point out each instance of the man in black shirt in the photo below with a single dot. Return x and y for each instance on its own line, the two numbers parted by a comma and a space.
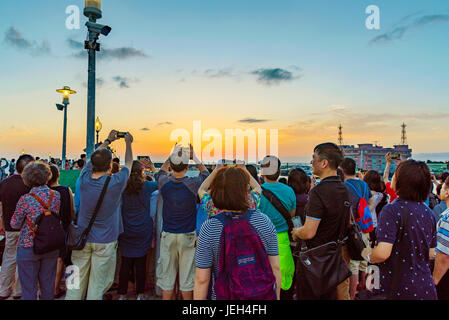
11, 189
327, 210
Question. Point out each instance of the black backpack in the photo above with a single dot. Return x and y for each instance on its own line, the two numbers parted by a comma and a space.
48, 232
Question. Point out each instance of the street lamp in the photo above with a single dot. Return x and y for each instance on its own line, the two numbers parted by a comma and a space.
66, 92
98, 127
92, 11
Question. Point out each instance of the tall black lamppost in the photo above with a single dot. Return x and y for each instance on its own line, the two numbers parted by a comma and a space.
92, 10
66, 92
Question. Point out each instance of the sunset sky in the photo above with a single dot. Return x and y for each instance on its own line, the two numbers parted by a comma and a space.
302, 67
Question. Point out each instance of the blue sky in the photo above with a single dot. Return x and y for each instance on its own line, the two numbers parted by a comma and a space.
204, 60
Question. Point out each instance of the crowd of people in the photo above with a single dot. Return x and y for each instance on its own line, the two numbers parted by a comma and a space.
232, 232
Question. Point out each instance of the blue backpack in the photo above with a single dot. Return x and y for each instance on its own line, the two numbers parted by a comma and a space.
364, 217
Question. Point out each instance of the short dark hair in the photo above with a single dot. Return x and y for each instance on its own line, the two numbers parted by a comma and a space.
340, 174
181, 166
36, 174
331, 152
22, 162
229, 189
252, 171
101, 160
80, 163
299, 181
444, 176
374, 180
413, 180
116, 160
178, 167
446, 182
54, 174
348, 166
275, 176
83, 156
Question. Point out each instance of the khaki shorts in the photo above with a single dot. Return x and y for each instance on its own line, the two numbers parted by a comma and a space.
177, 254
357, 266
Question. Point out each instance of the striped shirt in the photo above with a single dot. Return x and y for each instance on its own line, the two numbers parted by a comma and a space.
443, 233
208, 249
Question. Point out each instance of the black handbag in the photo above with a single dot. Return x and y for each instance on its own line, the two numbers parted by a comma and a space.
369, 295
76, 236
323, 267
354, 241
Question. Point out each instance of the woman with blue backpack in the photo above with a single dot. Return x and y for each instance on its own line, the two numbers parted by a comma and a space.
237, 256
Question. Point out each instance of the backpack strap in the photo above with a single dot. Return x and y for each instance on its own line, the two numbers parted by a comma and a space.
354, 188
46, 208
225, 216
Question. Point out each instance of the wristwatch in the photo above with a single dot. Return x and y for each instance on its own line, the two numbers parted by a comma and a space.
108, 141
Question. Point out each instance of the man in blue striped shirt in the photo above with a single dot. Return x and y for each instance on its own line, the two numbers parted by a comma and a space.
440, 274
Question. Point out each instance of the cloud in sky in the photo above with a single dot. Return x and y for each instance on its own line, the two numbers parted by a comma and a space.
122, 53
15, 39
166, 123
265, 76
145, 129
124, 82
405, 25
274, 76
252, 120
219, 73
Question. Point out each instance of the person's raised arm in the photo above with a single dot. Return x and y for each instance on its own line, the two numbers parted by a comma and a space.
129, 151
111, 138
166, 165
201, 167
387, 167
206, 183
252, 182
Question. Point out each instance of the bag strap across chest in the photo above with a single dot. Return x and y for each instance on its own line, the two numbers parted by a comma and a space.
46, 207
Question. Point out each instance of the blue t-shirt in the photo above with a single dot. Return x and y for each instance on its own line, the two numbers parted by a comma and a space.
107, 225
180, 199
135, 241
288, 199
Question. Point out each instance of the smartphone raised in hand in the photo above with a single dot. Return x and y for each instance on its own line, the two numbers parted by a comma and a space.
396, 156
121, 134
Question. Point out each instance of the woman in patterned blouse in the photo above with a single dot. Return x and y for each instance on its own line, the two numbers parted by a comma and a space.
406, 237
35, 268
